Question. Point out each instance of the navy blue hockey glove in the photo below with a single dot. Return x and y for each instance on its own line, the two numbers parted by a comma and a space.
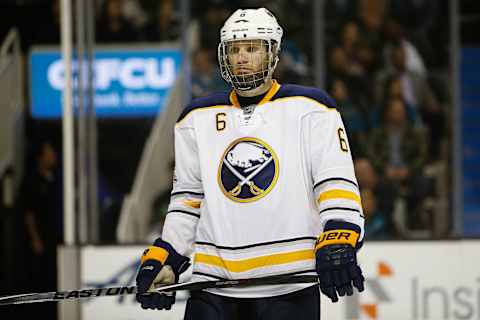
336, 257
160, 265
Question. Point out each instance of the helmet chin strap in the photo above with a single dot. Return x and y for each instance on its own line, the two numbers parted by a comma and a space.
264, 87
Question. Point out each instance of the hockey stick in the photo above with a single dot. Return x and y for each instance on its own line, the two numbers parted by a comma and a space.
118, 291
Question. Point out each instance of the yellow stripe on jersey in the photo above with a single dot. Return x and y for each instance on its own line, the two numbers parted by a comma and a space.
339, 194
253, 263
195, 204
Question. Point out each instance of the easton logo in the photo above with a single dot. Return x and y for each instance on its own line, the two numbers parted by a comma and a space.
62, 295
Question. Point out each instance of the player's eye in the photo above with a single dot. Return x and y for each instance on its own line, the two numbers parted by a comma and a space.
234, 50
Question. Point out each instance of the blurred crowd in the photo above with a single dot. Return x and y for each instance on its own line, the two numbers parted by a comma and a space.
386, 65
387, 68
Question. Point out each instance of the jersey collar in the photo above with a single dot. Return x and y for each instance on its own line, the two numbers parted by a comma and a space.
274, 89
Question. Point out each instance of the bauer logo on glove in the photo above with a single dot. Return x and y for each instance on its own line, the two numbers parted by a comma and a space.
336, 237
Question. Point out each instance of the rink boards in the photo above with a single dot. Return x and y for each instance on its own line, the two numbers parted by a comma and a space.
405, 280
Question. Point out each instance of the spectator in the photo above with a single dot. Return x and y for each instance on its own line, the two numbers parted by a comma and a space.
393, 90
361, 59
415, 89
211, 22
367, 59
292, 66
350, 38
358, 53
49, 32
384, 192
338, 10
376, 226
206, 77
399, 152
352, 116
340, 66
42, 221
164, 25
419, 16
394, 33
417, 93
134, 11
371, 16
112, 26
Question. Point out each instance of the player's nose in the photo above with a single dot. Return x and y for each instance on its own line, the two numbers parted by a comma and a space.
243, 56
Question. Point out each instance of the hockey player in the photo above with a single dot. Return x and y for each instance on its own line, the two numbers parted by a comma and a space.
264, 185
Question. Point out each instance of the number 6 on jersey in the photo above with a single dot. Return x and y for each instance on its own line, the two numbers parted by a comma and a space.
343, 140
220, 121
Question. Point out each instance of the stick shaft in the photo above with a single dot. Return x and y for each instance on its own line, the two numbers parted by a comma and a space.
118, 291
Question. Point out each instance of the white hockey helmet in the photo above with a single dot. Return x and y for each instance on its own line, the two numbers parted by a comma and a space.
250, 24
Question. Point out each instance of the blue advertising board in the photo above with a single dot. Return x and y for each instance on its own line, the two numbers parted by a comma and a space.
470, 97
127, 82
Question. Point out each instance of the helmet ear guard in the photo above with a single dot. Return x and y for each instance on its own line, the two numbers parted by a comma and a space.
250, 24
276, 50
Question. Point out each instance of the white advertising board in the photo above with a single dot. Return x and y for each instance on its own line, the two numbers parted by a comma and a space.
413, 281
404, 281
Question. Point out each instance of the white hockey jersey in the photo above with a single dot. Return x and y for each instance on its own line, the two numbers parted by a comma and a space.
254, 187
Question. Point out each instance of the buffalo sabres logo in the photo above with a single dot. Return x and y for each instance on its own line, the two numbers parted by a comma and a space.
248, 170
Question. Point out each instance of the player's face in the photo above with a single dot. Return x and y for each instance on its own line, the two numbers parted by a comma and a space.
247, 57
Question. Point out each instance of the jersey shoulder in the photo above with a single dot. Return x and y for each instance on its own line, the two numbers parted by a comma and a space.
293, 90
216, 99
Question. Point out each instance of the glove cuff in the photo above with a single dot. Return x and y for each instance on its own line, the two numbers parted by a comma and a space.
154, 253
178, 262
341, 236
338, 232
